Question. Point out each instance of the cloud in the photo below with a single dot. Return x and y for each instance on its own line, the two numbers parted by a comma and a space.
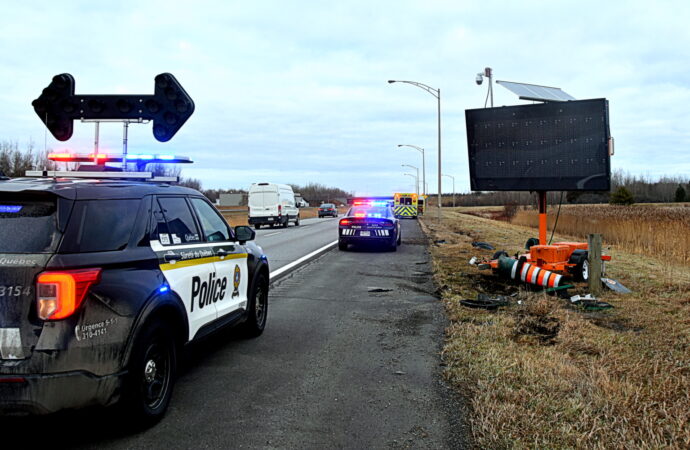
296, 92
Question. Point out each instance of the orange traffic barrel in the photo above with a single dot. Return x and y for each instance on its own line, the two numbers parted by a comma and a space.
528, 273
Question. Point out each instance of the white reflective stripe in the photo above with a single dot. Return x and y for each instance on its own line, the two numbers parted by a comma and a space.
525, 268
533, 280
558, 280
512, 272
545, 281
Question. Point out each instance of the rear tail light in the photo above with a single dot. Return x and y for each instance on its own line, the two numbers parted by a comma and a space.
280, 209
59, 294
345, 222
387, 224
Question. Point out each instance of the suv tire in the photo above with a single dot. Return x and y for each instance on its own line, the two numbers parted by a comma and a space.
257, 310
151, 375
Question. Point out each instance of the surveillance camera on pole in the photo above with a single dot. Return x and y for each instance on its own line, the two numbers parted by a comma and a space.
488, 73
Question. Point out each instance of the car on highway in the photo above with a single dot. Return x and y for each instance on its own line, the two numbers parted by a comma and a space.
272, 204
104, 281
328, 209
370, 224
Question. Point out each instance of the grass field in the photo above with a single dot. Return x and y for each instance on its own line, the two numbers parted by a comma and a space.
662, 230
544, 374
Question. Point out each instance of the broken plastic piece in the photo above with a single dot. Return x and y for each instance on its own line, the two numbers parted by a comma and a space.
484, 245
615, 286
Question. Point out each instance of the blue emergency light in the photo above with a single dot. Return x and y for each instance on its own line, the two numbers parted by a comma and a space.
12, 209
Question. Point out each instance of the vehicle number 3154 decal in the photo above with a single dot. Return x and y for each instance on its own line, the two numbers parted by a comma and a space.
14, 291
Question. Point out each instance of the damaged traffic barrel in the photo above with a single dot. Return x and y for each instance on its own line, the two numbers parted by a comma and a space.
519, 269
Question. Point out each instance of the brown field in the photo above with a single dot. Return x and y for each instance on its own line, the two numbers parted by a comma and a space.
661, 230
238, 215
544, 374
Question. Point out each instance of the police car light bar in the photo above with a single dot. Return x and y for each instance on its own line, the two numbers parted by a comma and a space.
372, 202
147, 176
104, 157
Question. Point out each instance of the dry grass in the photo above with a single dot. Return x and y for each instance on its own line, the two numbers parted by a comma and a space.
239, 214
662, 230
546, 375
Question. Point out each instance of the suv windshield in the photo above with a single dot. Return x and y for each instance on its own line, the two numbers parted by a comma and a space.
28, 225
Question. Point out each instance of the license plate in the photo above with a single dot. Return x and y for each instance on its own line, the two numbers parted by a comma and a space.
365, 233
270, 219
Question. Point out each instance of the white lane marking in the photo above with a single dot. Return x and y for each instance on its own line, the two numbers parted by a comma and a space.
287, 267
272, 234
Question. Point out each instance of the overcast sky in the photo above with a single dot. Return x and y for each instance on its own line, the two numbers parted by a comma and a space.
296, 92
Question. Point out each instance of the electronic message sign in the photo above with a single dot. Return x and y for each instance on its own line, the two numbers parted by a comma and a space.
552, 146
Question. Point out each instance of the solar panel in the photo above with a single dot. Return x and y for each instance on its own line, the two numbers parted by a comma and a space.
535, 92
553, 146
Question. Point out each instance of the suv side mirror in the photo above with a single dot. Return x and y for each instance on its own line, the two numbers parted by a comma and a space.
244, 233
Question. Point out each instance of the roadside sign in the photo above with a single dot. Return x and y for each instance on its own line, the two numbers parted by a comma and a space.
168, 108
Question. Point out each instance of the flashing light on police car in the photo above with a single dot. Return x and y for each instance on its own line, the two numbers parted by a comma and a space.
104, 157
10, 209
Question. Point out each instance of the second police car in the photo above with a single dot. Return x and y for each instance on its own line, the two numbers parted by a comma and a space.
104, 281
370, 222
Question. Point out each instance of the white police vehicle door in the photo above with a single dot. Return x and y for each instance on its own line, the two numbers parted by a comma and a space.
230, 258
186, 260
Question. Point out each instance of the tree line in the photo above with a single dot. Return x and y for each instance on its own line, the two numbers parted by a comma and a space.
14, 162
625, 189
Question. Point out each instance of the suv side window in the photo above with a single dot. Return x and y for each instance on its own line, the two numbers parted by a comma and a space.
214, 227
100, 225
175, 223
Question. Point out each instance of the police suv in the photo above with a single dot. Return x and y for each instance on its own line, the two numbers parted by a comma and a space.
103, 281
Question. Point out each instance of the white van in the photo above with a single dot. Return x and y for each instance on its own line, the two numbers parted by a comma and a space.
272, 204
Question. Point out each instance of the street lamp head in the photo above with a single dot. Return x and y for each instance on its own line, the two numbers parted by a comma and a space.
400, 145
479, 79
391, 81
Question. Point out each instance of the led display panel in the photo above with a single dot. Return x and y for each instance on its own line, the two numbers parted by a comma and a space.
553, 146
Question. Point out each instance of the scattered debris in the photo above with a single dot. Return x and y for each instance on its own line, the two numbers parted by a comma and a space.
615, 286
379, 289
439, 241
484, 301
589, 303
400, 372
484, 245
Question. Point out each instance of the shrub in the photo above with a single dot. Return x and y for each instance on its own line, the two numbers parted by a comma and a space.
621, 196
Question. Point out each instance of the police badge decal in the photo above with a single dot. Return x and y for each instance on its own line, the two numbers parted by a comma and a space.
236, 282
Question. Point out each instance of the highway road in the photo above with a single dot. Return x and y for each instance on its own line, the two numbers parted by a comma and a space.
286, 245
349, 359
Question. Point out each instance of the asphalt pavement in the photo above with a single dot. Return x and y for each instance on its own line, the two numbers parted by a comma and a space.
349, 359
285, 245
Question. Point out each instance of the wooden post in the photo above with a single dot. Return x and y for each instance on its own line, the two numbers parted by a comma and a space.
594, 243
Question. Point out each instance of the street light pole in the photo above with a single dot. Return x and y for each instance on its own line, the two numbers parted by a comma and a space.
452, 178
436, 93
421, 150
417, 169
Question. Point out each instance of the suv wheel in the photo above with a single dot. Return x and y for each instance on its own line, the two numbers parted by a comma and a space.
297, 221
257, 310
257, 226
149, 383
